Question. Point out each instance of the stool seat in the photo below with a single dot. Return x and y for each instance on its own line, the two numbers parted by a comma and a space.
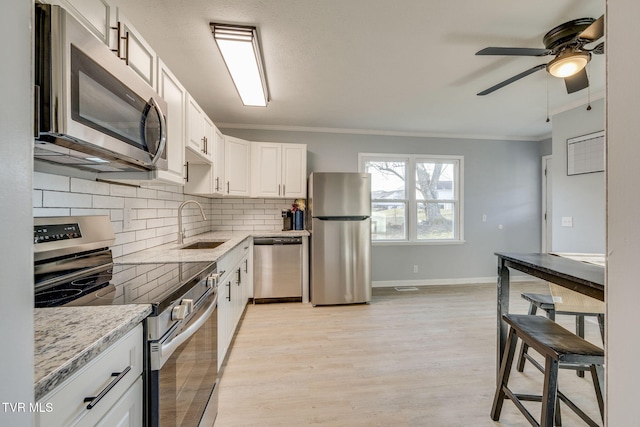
557, 345
550, 339
542, 301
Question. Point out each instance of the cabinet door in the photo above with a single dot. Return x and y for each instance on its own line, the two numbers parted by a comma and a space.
97, 15
170, 89
136, 52
199, 179
266, 169
224, 318
218, 161
209, 138
294, 171
237, 163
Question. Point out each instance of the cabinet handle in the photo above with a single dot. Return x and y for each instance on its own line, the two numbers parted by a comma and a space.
239, 279
126, 48
284, 193
227, 187
278, 189
95, 399
229, 291
203, 149
246, 266
217, 183
206, 145
118, 29
186, 177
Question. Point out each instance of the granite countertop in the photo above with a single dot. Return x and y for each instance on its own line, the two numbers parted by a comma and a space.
171, 252
66, 338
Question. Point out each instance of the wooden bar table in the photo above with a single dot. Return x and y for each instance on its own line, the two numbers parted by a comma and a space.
582, 277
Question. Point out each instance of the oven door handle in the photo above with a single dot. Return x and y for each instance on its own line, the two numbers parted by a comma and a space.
167, 349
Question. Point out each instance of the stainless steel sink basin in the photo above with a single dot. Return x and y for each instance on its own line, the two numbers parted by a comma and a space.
203, 245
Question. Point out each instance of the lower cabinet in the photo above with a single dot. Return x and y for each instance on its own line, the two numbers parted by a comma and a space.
234, 290
106, 392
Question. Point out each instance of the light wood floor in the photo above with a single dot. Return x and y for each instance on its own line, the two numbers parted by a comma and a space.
413, 358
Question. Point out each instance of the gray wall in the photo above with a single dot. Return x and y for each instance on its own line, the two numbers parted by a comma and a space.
501, 180
581, 197
16, 262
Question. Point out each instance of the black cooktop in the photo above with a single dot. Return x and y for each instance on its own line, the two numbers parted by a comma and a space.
157, 284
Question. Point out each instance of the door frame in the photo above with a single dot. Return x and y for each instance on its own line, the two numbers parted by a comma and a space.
546, 220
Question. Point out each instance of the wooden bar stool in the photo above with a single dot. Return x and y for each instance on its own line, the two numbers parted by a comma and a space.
579, 309
557, 345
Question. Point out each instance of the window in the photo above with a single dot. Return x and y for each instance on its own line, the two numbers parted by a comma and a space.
415, 198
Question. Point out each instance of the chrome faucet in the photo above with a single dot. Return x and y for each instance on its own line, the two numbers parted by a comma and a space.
181, 231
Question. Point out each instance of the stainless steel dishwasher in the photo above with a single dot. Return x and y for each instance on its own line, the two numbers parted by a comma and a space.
277, 269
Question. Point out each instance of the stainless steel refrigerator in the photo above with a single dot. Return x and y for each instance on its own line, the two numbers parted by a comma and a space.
339, 220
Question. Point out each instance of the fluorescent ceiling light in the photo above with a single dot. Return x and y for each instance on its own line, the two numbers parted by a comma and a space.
567, 64
97, 159
241, 53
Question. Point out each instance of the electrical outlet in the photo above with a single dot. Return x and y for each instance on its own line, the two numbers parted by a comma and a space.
567, 221
484, 217
415, 268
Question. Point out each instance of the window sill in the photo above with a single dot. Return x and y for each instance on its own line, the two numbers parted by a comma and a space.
417, 243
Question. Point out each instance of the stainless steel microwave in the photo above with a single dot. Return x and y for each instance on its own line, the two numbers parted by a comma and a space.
91, 110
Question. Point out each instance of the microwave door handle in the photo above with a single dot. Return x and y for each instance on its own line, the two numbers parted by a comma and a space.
163, 132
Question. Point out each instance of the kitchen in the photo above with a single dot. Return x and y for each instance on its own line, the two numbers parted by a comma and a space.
336, 155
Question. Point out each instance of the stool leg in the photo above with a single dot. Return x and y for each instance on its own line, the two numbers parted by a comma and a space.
505, 370
551, 314
550, 392
597, 373
580, 333
601, 325
524, 347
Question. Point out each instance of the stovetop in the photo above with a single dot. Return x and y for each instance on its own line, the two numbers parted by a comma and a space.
118, 284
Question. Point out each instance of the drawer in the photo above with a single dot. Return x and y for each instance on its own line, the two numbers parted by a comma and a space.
66, 401
233, 257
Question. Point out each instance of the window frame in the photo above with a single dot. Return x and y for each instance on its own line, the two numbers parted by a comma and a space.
411, 216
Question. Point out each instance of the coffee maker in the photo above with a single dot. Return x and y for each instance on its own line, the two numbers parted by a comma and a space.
287, 220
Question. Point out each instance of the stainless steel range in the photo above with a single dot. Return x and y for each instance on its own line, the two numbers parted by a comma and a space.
74, 267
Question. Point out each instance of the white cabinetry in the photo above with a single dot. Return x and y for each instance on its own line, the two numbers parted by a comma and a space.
234, 290
207, 179
170, 89
135, 51
237, 166
97, 15
200, 134
119, 366
279, 170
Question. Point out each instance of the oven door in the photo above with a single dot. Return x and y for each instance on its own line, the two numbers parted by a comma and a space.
185, 385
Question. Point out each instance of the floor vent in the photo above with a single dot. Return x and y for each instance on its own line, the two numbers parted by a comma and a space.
405, 288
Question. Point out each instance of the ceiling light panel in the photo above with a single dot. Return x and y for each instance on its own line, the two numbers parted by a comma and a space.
241, 54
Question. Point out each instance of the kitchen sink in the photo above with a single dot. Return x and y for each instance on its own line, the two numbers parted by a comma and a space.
204, 245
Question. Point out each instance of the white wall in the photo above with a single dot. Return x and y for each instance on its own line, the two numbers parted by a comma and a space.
581, 197
16, 262
623, 211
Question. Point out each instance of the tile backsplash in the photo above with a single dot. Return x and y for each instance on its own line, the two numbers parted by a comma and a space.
146, 216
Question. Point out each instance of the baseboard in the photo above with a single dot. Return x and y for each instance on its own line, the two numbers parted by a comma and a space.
446, 282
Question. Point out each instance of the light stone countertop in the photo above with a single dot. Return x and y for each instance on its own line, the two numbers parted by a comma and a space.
67, 338
171, 252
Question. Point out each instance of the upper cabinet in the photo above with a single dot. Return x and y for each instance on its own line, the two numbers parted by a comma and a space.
134, 51
237, 167
279, 170
97, 15
200, 140
175, 95
218, 162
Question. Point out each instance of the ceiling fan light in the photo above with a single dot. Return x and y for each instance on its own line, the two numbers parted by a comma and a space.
568, 64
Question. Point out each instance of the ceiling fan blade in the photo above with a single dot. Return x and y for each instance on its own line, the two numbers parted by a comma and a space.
513, 51
512, 79
594, 31
577, 82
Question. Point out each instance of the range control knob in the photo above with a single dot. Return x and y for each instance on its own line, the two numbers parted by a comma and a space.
179, 312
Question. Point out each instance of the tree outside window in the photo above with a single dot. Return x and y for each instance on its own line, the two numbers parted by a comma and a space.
430, 213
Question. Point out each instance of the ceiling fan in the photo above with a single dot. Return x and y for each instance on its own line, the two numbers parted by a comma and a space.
567, 43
